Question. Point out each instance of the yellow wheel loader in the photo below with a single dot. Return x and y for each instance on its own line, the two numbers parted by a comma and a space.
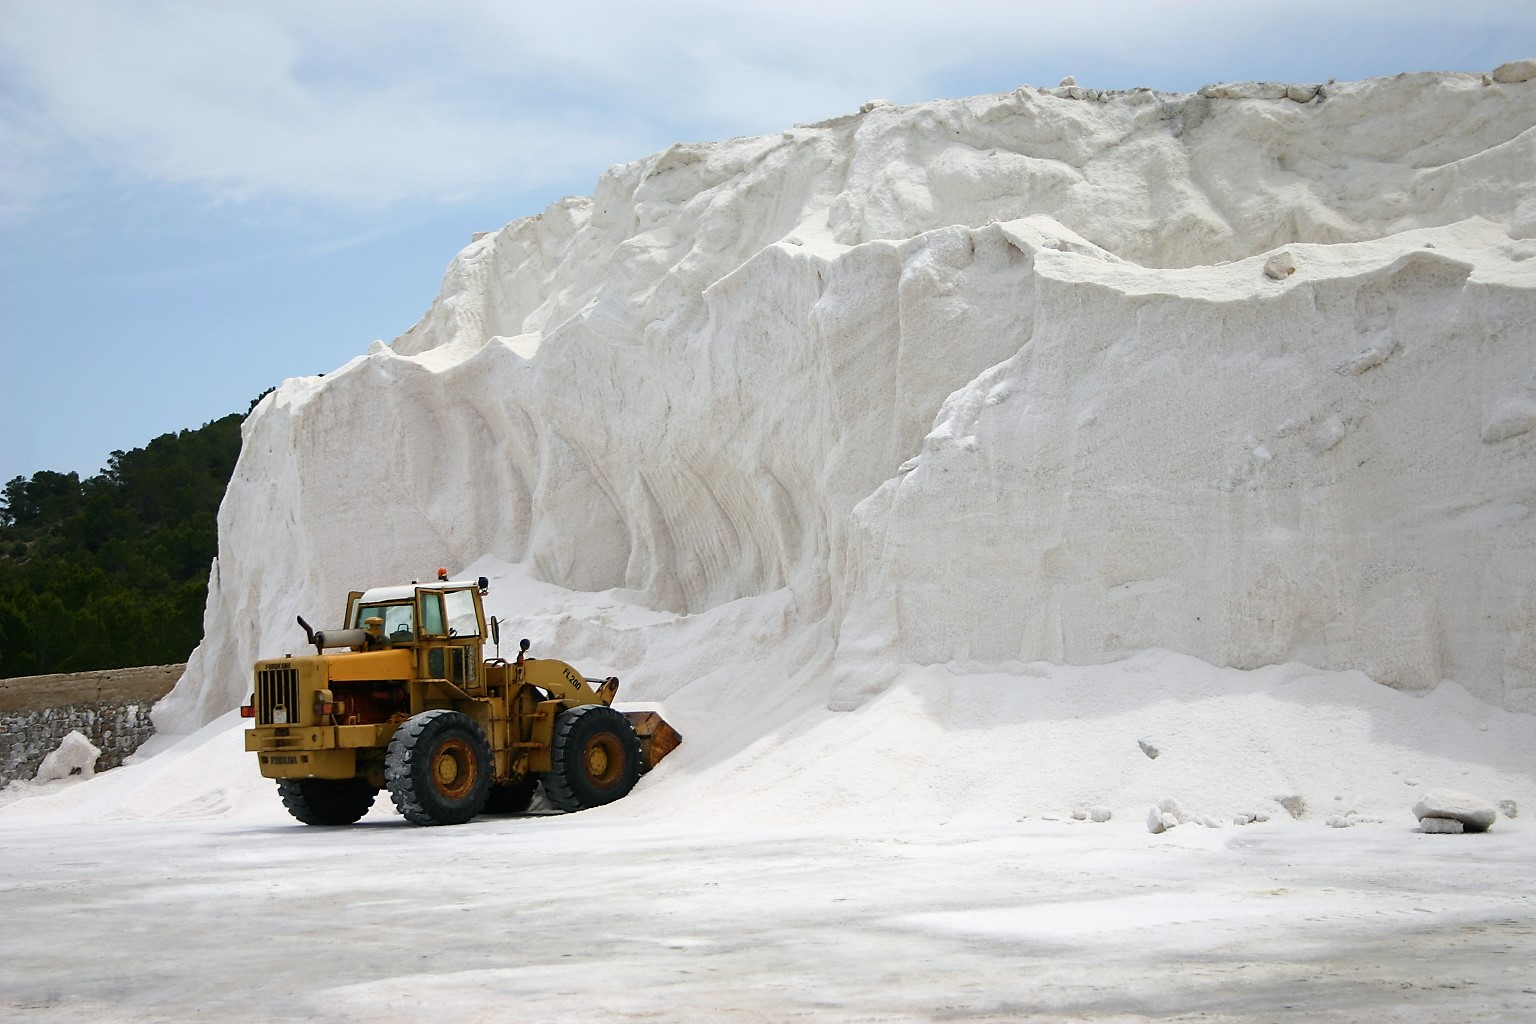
403, 699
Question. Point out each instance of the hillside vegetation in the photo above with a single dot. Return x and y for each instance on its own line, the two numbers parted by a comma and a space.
112, 571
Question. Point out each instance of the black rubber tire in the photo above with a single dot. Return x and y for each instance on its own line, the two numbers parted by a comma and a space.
580, 778
512, 799
438, 768
326, 801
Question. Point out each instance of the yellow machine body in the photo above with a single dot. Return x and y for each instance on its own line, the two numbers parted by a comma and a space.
408, 650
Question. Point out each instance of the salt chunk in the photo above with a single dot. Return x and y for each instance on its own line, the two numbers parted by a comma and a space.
1338, 821
1079, 814
1442, 826
1515, 71
1329, 433
1148, 747
1159, 820
1069, 80
1477, 815
1511, 420
1508, 808
1280, 266
1102, 813
1295, 804
75, 753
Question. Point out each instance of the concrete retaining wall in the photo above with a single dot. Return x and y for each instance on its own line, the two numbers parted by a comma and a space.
111, 707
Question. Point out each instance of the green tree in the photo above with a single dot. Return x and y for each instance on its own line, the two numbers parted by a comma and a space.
112, 571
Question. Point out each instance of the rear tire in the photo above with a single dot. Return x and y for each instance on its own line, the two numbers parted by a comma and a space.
438, 768
595, 758
326, 801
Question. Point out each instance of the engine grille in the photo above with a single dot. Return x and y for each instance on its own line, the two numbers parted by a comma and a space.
276, 687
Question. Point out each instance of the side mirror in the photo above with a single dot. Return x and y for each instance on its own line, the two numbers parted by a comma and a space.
495, 631
484, 585
523, 645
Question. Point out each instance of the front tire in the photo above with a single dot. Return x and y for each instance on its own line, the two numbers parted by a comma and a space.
326, 801
595, 758
438, 768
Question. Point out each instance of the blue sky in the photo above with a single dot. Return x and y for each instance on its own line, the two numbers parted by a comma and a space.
198, 200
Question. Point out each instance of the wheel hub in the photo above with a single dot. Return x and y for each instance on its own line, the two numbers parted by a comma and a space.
604, 760
453, 769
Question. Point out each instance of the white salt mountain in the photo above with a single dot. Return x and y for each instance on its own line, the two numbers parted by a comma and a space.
1050, 375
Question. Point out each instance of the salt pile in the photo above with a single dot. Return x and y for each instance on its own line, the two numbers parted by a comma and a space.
896, 454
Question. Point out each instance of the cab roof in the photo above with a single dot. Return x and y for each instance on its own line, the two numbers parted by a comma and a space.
407, 591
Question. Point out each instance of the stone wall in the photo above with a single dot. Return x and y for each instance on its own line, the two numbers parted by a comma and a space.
111, 707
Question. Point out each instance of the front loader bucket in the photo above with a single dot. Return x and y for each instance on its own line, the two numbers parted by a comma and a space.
657, 738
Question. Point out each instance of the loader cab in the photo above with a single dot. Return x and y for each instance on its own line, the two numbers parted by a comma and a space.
444, 622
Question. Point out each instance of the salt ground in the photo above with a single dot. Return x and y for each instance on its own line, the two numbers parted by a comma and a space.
584, 918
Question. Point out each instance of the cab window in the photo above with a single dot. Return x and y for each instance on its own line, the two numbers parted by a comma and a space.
432, 614
461, 613
398, 618
452, 663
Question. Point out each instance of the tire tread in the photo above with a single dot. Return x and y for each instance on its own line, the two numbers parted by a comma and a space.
326, 801
400, 768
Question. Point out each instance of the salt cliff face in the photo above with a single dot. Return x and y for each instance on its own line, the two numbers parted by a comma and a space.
1040, 375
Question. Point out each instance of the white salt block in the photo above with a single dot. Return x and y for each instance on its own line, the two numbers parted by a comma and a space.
1515, 71
75, 753
1280, 266
1477, 815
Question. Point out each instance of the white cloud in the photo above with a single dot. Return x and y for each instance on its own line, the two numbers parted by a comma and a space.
249, 99
395, 100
